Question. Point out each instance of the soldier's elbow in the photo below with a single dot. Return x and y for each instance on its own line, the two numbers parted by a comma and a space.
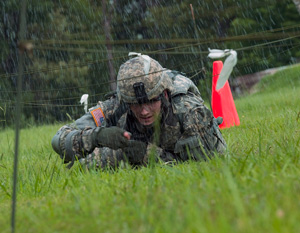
55, 142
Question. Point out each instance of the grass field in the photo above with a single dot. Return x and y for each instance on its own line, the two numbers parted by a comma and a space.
255, 187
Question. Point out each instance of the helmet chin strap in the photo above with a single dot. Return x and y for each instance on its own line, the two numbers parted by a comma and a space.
165, 107
165, 100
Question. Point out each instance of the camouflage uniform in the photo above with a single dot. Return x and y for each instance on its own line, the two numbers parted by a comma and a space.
186, 130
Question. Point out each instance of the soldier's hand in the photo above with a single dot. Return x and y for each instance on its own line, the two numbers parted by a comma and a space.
135, 152
112, 137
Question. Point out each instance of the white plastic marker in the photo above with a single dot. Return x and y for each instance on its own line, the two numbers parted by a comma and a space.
84, 100
229, 63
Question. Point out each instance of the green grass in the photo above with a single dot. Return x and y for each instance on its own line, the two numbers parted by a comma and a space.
254, 188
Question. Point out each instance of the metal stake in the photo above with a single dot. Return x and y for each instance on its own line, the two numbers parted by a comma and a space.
18, 111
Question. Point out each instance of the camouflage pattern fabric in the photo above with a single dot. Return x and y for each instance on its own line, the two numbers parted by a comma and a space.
187, 130
103, 158
200, 130
155, 80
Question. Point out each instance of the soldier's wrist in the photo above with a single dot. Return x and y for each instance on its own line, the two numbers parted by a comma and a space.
97, 137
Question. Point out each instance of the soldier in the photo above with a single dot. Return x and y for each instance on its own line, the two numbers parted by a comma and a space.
155, 111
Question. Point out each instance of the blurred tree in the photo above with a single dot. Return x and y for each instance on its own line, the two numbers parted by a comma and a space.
9, 26
106, 13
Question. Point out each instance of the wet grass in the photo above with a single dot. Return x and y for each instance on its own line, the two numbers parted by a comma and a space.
254, 188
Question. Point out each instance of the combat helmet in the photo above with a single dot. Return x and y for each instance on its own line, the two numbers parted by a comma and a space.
141, 79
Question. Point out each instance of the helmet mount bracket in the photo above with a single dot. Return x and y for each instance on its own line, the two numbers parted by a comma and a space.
140, 93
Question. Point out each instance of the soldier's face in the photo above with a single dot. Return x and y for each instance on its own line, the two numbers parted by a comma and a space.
146, 113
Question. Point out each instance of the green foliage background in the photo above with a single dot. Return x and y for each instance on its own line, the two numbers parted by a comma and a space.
70, 53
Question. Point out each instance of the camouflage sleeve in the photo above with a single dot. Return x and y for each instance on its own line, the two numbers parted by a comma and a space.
201, 136
75, 141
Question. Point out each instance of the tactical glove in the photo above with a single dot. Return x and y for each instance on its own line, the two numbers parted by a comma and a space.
112, 137
136, 151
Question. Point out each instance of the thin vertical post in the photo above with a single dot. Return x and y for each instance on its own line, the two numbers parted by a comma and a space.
18, 111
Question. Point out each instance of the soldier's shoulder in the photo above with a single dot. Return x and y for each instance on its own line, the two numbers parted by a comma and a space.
106, 105
182, 84
183, 103
103, 110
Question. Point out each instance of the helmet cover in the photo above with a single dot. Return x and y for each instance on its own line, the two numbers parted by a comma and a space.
146, 74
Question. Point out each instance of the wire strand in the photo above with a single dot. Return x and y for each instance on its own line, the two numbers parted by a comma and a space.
149, 52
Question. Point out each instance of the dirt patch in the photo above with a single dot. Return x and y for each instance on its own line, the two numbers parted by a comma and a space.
246, 83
